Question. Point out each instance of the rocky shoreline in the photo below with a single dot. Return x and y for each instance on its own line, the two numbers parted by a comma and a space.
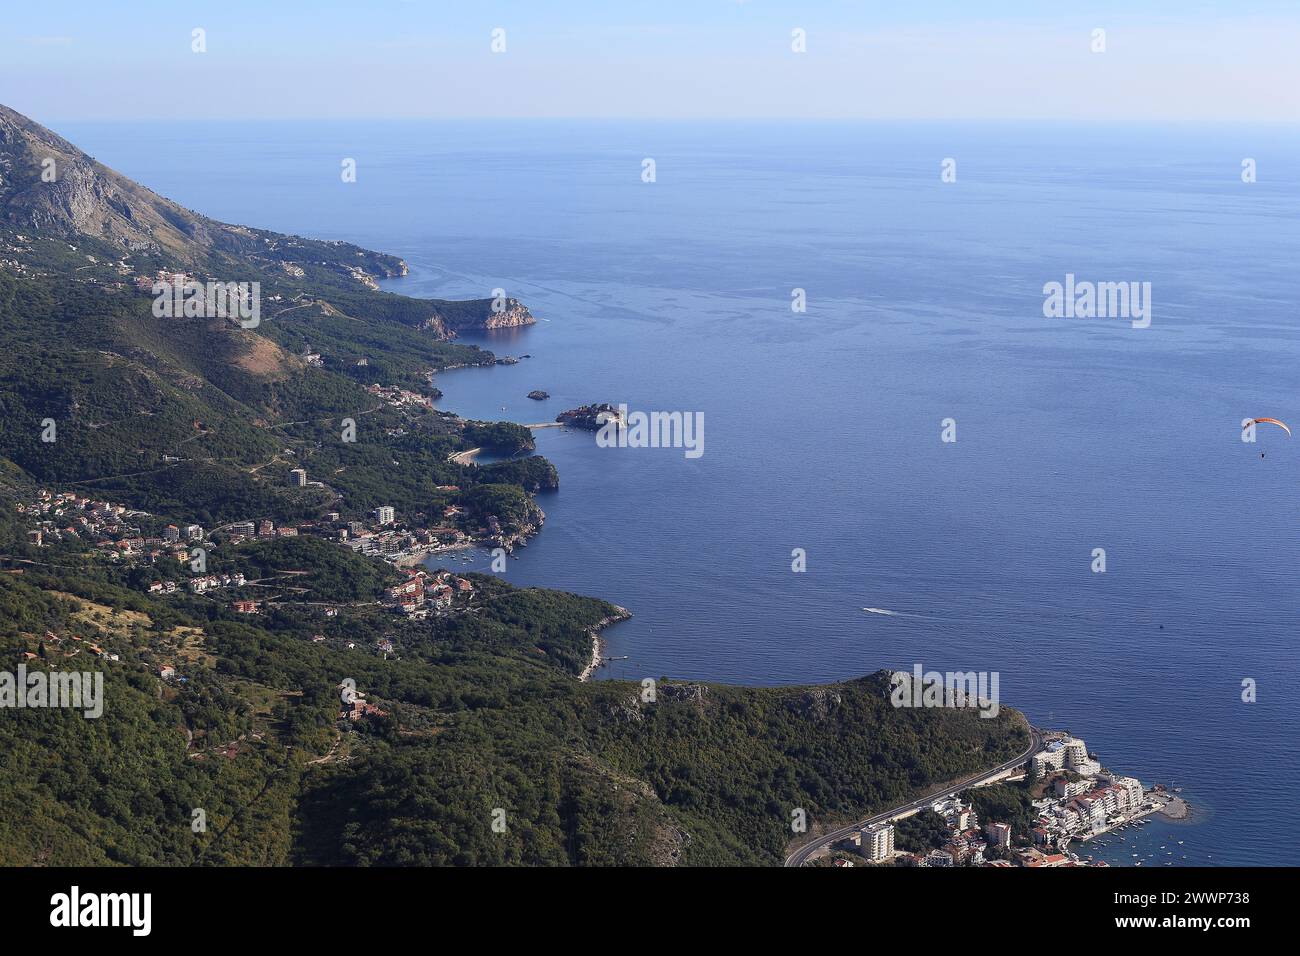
519, 537
598, 644
1176, 809
591, 417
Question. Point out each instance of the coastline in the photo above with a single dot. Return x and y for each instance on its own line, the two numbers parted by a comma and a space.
465, 457
597, 643
468, 457
1176, 809
417, 557
1166, 805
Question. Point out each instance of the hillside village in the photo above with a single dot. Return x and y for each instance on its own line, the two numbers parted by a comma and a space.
121, 535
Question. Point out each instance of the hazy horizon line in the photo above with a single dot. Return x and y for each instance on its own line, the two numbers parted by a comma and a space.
685, 120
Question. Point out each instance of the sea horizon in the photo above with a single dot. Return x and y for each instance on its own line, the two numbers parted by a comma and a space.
924, 302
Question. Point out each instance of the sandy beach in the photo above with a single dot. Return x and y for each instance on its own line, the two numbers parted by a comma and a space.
465, 457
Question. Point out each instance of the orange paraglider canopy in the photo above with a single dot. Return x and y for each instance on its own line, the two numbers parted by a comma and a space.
1273, 421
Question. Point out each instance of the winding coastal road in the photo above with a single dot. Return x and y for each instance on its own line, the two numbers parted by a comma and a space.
800, 856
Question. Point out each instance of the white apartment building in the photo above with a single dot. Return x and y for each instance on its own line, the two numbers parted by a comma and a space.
878, 842
1049, 760
1066, 788
999, 834
1092, 813
1131, 787
1068, 754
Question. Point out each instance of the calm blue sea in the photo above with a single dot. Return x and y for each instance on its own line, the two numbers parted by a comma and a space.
822, 429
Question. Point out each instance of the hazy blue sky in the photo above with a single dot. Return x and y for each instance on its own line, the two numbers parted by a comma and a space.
131, 59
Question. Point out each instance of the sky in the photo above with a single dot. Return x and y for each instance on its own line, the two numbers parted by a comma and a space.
667, 59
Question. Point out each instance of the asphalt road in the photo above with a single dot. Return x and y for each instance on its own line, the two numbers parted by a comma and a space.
801, 855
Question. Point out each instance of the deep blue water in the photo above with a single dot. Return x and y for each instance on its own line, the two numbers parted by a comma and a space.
823, 429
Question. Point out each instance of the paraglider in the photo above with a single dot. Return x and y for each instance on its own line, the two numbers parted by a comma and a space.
1250, 423
1273, 421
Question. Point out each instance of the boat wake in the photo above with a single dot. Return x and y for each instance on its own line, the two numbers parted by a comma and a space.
886, 612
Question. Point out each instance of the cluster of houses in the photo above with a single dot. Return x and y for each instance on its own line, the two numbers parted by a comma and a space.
113, 528
145, 283
399, 397
237, 532
355, 705
178, 280
1082, 799
212, 582
378, 537
70, 646
967, 844
395, 543
201, 584
15, 266
1106, 802
117, 533
423, 591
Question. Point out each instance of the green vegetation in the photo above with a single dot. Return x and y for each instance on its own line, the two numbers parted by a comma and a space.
921, 832
322, 569
532, 474
480, 746
202, 424
503, 437
480, 707
482, 712
1001, 803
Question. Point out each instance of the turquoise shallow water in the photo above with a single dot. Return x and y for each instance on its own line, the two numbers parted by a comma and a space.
822, 429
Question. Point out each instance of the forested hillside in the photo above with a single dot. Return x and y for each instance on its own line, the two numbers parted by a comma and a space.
480, 714
225, 520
